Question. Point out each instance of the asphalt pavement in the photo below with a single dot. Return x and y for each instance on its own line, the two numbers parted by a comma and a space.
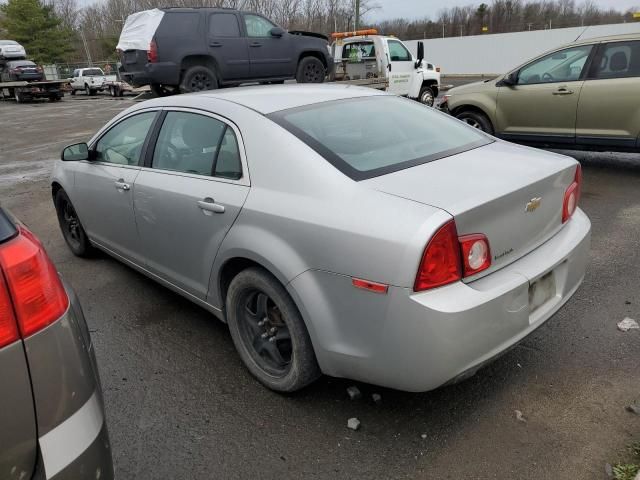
180, 404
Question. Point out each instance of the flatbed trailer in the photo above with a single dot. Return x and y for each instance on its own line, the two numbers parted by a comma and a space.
23, 91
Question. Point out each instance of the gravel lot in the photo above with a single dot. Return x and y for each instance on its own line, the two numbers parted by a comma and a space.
180, 404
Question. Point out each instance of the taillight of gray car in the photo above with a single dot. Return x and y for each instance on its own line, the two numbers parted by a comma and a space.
51, 412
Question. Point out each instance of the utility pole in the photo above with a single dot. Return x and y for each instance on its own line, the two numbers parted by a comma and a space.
357, 22
461, 27
86, 48
442, 29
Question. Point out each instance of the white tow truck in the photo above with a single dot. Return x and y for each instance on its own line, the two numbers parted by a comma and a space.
365, 58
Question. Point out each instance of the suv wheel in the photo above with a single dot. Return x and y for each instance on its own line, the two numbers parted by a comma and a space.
72, 230
269, 333
476, 120
197, 79
310, 70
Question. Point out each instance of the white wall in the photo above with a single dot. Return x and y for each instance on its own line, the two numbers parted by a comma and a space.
498, 53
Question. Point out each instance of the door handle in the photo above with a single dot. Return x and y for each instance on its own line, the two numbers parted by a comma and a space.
563, 91
255, 44
215, 44
209, 205
122, 185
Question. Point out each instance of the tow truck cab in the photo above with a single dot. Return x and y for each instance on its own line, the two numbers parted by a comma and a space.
365, 58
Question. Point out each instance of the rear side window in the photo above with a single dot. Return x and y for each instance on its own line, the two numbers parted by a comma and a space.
179, 24
224, 25
198, 144
257, 26
7, 228
617, 60
371, 136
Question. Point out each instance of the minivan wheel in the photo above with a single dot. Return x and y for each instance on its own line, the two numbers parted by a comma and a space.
72, 230
269, 333
198, 79
310, 70
476, 120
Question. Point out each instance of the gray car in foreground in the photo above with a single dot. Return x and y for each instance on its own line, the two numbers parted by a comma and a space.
51, 413
337, 230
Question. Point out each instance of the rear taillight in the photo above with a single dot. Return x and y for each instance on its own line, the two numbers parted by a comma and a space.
31, 284
440, 263
152, 53
449, 258
572, 196
8, 326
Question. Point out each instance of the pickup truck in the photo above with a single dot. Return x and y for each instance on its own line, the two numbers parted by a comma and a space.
365, 58
90, 80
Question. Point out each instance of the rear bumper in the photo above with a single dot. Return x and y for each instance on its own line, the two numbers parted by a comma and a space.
73, 438
166, 73
420, 341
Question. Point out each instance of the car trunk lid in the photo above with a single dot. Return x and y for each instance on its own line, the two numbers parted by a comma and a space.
505, 192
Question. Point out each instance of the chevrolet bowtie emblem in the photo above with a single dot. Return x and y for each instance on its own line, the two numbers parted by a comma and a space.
533, 204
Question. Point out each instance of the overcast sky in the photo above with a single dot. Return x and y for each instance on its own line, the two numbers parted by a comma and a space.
429, 8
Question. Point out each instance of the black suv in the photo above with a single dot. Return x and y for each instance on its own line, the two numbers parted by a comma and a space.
197, 49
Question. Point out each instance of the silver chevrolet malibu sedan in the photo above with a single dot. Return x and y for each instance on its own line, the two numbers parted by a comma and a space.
337, 230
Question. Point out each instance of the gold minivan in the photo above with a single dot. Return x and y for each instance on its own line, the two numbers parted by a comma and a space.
584, 95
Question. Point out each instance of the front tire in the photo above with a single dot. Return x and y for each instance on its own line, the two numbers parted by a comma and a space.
426, 96
72, 230
269, 333
198, 79
476, 120
310, 70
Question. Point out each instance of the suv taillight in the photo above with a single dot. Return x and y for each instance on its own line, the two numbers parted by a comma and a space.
572, 196
152, 53
31, 293
449, 258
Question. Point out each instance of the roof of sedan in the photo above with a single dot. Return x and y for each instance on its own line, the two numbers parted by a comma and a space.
272, 98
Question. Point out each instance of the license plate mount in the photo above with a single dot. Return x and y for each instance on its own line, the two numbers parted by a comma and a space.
541, 291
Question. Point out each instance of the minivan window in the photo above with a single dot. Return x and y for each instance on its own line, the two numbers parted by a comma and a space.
257, 26
188, 143
123, 143
371, 136
224, 25
617, 60
563, 66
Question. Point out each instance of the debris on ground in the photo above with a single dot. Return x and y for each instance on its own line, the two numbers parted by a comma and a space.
633, 408
423, 436
627, 324
520, 416
608, 470
354, 392
353, 423
377, 398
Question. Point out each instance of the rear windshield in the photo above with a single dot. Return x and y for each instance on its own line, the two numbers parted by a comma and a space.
92, 72
23, 63
7, 228
371, 136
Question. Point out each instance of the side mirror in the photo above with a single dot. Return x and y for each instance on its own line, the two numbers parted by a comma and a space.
420, 54
76, 152
276, 32
508, 80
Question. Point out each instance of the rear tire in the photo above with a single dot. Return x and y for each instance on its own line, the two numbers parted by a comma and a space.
310, 70
198, 79
278, 350
18, 96
476, 120
72, 230
73, 91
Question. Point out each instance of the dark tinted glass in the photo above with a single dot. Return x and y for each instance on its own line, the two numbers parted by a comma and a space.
7, 229
367, 137
224, 25
228, 164
179, 24
188, 143
617, 60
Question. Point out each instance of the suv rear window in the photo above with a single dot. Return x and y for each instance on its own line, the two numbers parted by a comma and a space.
224, 25
371, 136
179, 24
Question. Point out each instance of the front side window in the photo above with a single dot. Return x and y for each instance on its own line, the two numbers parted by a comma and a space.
198, 144
123, 143
372, 136
398, 52
258, 26
617, 60
224, 25
563, 66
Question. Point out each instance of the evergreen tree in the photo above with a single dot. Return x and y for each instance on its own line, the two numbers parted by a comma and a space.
38, 29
